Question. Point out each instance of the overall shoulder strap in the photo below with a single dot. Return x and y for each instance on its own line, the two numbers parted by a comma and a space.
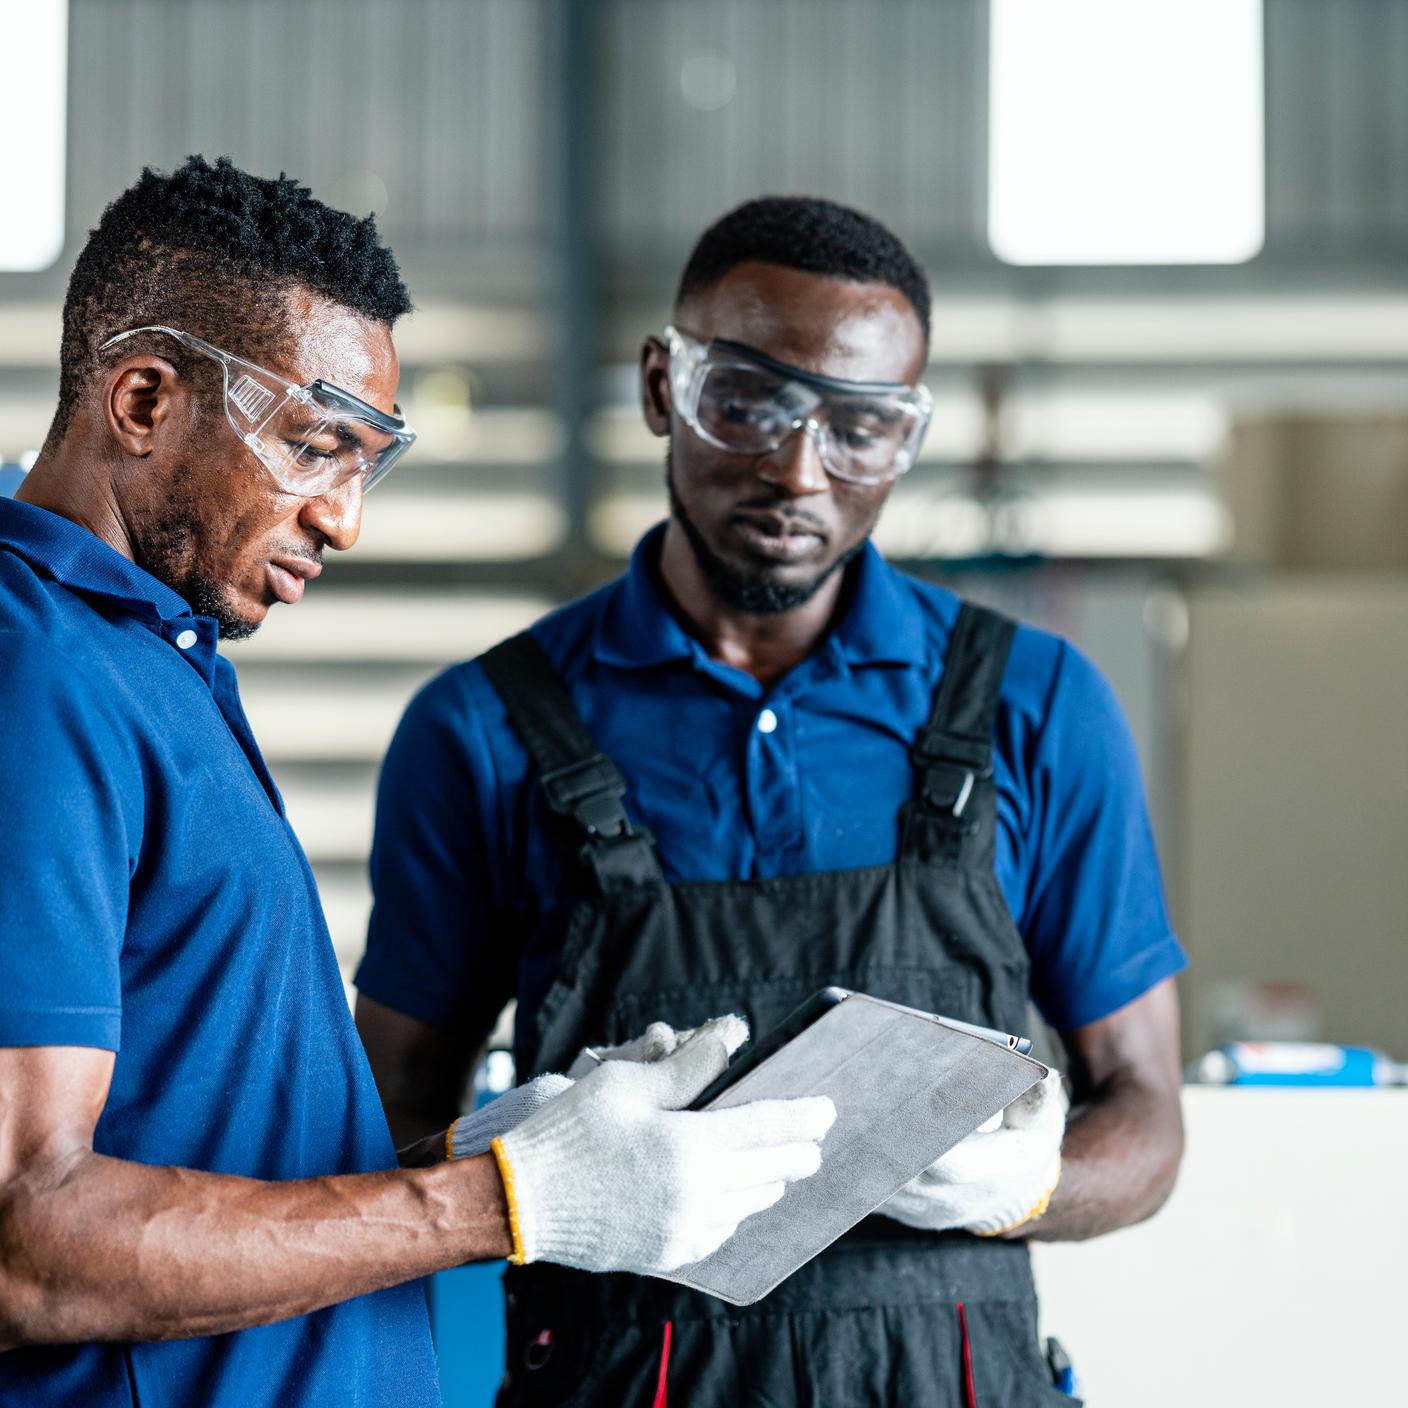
581, 784
952, 753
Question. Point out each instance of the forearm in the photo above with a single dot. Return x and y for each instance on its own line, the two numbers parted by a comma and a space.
417, 1131
93, 1248
424, 1152
421, 1072
1118, 1162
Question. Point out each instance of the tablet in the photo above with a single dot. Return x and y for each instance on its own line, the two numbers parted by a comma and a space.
814, 1008
793, 1025
907, 1086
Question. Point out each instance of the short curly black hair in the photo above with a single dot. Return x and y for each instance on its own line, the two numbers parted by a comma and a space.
213, 250
810, 234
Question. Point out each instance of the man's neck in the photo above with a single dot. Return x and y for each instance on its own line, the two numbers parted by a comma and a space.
70, 482
766, 647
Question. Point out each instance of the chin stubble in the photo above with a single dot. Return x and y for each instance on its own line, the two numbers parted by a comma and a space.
752, 593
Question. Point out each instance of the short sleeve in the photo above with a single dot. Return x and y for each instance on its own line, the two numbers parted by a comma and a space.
431, 951
66, 852
1095, 921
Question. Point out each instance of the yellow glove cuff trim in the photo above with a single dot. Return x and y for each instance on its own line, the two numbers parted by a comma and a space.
1042, 1204
450, 1142
517, 1256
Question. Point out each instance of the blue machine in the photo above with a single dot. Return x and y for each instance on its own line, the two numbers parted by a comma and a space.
467, 1324
467, 1304
1302, 1063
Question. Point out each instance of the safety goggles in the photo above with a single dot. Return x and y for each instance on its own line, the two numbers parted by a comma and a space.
312, 438
744, 401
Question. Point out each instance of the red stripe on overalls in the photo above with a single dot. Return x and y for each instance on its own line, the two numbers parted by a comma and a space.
970, 1394
664, 1367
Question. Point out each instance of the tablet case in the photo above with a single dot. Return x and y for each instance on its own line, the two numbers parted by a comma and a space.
906, 1087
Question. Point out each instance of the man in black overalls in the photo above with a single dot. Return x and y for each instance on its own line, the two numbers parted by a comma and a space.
761, 763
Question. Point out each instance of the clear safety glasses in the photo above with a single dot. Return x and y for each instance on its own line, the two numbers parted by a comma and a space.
310, 438
745, 402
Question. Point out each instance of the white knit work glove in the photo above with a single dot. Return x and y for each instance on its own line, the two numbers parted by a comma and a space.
473, 1133
658, 1040
616, 1175
997, 1179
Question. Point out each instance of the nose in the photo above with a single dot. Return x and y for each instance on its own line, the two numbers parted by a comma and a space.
795, 466
337, 514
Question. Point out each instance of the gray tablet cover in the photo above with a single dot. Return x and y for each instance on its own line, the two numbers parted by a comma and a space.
906, 1087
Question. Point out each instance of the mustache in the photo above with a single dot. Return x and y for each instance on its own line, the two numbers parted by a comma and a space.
788, 514
302, 551
779, 506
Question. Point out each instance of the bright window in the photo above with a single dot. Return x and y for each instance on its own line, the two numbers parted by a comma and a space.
33, 100
1126, 131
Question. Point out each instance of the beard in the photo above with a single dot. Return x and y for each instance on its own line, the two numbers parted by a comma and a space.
208, 597
753, 593
167, 545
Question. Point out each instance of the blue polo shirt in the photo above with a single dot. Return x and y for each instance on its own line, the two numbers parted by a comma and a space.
154, 902
738, 781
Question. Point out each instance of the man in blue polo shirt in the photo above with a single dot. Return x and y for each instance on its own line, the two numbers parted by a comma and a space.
761, 762
199, 1200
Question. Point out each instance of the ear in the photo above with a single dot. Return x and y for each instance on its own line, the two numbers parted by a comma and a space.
655, 385
139, 398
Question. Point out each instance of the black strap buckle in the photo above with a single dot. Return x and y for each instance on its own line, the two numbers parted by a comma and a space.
935, 745
950, 766
948, 786
590, 791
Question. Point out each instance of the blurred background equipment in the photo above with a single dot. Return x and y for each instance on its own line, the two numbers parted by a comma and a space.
1317, 1063
1181, 441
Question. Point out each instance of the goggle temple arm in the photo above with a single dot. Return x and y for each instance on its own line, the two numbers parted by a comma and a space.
334, 395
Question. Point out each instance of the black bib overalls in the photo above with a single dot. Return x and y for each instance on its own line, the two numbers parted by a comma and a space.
886, 1316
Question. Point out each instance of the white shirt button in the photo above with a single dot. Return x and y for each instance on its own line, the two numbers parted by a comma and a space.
767, 721
186, 640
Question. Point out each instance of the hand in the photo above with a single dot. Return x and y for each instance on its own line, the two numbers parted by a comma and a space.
474, 1133
617, 1175
995, 1180
658, 1040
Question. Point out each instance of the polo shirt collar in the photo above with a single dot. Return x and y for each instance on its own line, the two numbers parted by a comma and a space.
79, 560
881, 625
637, 629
